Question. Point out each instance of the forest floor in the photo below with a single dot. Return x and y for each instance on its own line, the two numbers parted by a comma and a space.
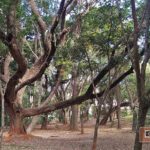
59, 137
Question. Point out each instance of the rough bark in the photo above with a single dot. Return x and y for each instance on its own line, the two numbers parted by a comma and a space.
16, 122
12, 106
74, 118
74, 108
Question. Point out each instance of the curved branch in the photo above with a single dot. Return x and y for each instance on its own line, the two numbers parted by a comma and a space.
49, 45
40, 20
15, 52
57, 17
38, 69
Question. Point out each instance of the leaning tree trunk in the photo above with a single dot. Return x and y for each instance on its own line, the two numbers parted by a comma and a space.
37, 98
33, 123
106, 116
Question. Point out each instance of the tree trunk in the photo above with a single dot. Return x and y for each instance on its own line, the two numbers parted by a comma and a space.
110, 118
82, 123
2, 115
74, 108
74, 118
64, 116
37, 100
32, 124
134, 120
44, 122
94, 145
16, 123
118, 97
107, 115
141, 122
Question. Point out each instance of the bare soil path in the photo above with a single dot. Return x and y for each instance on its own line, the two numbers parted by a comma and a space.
58, 137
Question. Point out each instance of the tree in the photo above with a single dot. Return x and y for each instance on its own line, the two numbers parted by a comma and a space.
33, 36
141, 70
25, 75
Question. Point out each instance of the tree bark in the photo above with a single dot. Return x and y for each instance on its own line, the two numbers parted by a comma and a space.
32, 124
140, 69
134, 120
106, 116
82, 122
16, 122
96, 128
141, 122
74, 108
74, 117
44, 121
118, 97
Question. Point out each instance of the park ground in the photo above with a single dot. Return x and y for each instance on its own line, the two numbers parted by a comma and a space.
59, 137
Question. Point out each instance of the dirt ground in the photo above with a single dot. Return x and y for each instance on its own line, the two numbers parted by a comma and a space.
58, 137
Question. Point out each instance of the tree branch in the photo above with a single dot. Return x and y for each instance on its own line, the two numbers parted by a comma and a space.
15, 52
57, 17
5, 70
111, 64
40, 20
73, 101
